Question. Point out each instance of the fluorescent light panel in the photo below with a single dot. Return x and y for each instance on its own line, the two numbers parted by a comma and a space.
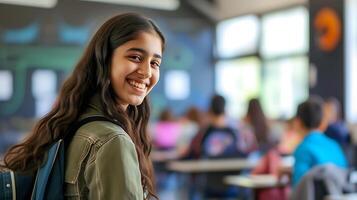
33, 3
156, 4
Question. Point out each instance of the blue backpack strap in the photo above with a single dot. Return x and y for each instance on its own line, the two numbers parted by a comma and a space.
50, 177
44, 172
24, 185
7, 186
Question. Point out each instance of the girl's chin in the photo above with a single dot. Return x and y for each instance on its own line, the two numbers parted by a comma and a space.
137, 102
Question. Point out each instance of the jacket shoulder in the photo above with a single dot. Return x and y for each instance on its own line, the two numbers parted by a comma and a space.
100, 130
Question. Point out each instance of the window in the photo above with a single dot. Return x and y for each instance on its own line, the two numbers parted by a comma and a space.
284, 86
278, 75
351, 61
238, 81
177, 84
6, 85
237, 36
285, 32
44, 90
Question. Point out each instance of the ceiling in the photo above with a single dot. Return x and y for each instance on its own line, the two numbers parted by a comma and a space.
217, 10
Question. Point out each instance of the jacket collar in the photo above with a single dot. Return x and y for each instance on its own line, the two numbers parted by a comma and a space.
94, 108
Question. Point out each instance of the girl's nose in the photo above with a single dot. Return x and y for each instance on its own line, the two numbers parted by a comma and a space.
145, 70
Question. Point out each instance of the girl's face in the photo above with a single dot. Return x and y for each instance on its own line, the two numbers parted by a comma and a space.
135, 68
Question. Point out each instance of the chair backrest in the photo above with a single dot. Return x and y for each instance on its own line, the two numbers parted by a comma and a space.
321, 181
219, 143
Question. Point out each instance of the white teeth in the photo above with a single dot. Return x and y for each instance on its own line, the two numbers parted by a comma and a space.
137, 85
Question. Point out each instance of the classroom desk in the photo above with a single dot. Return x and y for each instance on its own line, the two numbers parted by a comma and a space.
352, 196
163, 155
215, 167
210, 165
219, 165
255, 181
210, 169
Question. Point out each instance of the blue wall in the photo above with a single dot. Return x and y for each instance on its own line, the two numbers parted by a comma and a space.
42, 42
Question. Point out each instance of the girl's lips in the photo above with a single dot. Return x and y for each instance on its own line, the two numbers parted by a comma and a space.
139, 88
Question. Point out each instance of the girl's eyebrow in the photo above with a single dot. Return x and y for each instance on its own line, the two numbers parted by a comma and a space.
143, 52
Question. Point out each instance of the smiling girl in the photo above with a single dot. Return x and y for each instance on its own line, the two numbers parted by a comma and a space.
104, 160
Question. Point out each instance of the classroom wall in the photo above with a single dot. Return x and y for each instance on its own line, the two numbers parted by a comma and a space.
327, 49
54, 39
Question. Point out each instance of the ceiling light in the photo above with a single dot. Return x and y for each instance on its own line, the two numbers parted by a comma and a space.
33, 3
156, 4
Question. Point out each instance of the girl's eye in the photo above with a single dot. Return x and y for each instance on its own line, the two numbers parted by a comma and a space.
135, 58
155, 64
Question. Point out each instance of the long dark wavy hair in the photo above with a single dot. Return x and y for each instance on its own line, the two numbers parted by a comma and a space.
92, 76
257, 119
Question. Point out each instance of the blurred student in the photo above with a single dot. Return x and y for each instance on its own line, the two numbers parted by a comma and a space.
336, 129
316, 148
271, 163
190, 124
217, 138
290, 139
254, 128
166, 131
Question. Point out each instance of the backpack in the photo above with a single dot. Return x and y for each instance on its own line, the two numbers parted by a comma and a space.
219, 142
48, 182
200, 144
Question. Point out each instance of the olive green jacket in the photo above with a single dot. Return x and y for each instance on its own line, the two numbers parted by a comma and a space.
101, 162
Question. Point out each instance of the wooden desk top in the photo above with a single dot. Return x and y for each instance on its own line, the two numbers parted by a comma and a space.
218, 165
163, 155
210, 165
352, 196
254, 181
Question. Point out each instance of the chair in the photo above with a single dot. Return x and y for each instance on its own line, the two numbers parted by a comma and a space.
321, 181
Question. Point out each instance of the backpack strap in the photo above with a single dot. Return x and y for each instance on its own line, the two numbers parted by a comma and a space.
49, 178
91, 119
7, 185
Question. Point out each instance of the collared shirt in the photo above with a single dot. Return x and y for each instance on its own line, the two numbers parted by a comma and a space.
316, 149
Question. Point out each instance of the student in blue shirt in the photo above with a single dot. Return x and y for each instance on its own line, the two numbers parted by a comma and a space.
316, 148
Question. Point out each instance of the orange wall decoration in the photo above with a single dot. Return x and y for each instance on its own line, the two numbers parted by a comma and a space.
327, 25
